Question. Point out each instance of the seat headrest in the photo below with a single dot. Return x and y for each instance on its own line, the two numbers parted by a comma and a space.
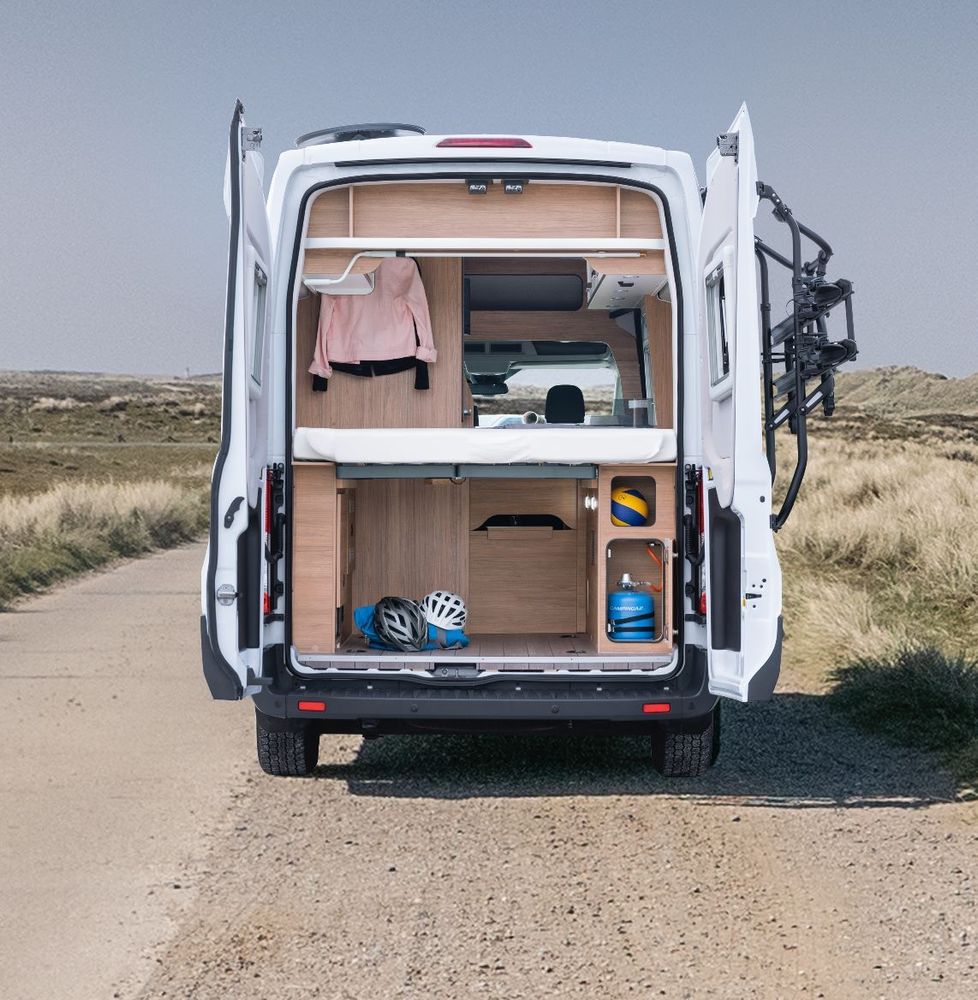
565, 405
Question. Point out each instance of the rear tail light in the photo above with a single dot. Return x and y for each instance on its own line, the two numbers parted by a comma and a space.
268, 501
484, 142
312, 706
656, 708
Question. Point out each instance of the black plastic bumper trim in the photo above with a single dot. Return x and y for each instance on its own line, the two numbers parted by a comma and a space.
761, 686
511, 700
221, 679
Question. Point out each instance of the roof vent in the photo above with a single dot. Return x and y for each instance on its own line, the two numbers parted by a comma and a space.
347, 133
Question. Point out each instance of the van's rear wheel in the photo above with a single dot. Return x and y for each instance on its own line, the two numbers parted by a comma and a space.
290, 754
689, 748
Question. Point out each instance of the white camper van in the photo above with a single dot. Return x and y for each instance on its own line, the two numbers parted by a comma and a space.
534, 377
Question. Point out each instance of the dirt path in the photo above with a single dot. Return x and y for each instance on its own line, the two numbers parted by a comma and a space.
811, 862
116, 767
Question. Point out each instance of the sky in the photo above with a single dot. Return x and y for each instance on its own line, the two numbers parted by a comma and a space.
115, 117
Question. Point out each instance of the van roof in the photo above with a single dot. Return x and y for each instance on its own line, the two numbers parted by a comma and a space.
418, 148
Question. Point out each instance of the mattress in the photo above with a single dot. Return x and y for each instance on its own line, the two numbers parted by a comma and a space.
549, 445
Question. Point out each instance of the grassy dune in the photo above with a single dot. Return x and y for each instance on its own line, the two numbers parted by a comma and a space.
881, 552
71, 528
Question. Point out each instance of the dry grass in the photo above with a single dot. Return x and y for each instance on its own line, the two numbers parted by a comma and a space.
68, 529
94, 468
881, 553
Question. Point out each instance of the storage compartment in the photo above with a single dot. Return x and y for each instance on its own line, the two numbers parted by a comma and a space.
648, 508
534, 559
632, 503
636, 583
526, 557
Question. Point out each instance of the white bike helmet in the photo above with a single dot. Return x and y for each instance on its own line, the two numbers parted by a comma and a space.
400, 623
444, 609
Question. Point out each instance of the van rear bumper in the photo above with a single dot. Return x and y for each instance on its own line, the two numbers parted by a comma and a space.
390, 705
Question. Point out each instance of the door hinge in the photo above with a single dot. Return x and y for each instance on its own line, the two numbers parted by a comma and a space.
250, 139
729, 144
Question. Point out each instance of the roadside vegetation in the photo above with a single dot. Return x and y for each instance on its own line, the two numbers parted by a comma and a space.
66, 530
881, 552
95, 468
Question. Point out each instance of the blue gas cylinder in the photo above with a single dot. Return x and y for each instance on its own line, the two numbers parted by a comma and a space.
631, 613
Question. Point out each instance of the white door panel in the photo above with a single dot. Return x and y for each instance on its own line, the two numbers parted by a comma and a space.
730, 378
233, 586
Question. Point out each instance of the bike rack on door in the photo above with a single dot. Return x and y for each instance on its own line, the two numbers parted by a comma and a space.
800, 343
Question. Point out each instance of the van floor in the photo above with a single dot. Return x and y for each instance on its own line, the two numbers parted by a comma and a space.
503, 645
504, 652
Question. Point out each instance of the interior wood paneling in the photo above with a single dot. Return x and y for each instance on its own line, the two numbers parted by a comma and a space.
526, 579
422, 210
345, 556
390, 400
447, 209
314, 558
523, 580
410, 538
522, 496
658, 327
585, 324
335, 262
329, 214
651, 262
310, 407
639, 215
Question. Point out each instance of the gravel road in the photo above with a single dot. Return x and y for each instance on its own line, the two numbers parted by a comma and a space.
145, 856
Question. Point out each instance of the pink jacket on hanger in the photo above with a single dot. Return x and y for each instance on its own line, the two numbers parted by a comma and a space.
379, 326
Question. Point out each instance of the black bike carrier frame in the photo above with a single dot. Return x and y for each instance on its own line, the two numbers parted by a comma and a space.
800, 343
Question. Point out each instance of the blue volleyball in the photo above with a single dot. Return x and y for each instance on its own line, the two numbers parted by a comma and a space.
629, 509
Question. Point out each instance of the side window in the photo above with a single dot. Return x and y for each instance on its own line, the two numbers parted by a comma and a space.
716, 322
258, 312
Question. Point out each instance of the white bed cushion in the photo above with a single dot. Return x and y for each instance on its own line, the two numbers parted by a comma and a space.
485, 445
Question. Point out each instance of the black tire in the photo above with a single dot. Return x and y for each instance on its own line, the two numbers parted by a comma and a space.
687, 749
292, 754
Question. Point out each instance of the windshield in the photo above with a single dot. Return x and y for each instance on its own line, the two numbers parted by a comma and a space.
526, 397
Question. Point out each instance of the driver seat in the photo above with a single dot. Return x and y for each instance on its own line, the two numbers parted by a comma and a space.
565, 405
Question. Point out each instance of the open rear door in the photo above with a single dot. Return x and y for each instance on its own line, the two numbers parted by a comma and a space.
231, 627
743, 579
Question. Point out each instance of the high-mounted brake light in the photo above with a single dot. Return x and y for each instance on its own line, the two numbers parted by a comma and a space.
484, 142
656, 708
312, 706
